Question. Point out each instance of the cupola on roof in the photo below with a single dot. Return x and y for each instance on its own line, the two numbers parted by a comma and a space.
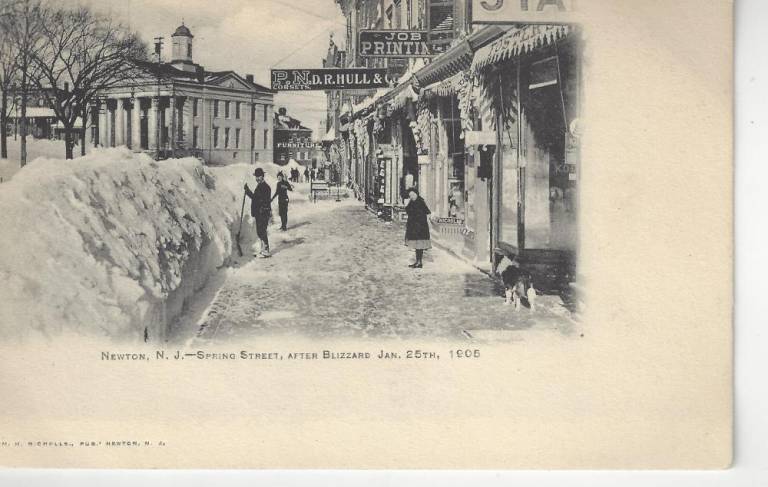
182, 30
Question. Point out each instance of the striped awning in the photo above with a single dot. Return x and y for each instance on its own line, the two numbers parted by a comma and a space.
447, 87
517, 42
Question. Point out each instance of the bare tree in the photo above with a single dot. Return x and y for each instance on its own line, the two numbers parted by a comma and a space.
21, 24
8, 60
80, 54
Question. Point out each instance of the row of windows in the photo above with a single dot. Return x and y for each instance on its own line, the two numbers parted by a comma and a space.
228, 143
228, 106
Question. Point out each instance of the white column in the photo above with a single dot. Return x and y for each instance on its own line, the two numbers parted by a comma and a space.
189, 125
172, 125
152, 123
120, 123
110, 124
103, 112
136, 125
205, 126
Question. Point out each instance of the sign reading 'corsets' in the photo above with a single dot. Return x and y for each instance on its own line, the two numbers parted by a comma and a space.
329, 79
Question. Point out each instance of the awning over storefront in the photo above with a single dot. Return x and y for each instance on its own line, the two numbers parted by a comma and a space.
519, 41
458, 57
447, 87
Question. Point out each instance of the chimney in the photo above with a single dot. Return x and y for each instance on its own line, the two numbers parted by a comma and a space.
200, 74
249, 78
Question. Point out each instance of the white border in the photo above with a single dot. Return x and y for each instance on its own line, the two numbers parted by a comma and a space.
751, 453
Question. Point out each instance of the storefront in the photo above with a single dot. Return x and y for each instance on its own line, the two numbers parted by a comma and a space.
532, 78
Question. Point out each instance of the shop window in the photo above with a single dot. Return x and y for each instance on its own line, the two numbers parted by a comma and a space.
226, 138
455, 158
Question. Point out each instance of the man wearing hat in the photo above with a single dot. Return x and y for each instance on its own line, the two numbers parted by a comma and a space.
261, 209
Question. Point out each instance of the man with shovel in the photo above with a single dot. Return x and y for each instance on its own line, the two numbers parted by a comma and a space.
261, 209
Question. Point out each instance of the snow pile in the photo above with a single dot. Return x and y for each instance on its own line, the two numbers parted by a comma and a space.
114, 243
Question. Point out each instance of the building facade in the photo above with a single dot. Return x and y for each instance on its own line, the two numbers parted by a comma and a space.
488, 130
180, 108
292, 140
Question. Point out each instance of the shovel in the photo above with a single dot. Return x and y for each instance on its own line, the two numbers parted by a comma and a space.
240, 228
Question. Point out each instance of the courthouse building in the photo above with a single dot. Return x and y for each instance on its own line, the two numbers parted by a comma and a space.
179, 108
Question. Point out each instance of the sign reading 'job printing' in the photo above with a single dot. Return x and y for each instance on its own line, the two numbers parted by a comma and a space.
522, 11
394, 43
329, 79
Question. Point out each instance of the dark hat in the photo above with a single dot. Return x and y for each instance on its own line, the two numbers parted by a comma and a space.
259, 172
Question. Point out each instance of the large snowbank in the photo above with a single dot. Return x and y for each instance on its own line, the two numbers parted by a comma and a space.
114, 243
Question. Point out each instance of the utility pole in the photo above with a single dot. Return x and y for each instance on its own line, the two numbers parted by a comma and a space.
158, 120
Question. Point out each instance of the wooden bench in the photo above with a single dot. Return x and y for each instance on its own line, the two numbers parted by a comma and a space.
319, 187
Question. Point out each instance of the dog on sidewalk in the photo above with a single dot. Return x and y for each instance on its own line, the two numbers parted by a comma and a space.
518, 285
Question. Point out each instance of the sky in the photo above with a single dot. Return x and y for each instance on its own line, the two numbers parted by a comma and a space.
247, 36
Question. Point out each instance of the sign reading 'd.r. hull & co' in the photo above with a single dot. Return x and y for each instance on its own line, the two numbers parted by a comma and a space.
394, 44
522, 11
329, 79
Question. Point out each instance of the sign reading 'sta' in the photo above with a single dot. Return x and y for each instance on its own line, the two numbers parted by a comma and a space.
522, 11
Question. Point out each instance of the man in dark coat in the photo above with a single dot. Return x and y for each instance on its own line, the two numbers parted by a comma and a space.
281, 193
417, 227
261, 209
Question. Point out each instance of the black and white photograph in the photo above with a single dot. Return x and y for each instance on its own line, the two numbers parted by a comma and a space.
155, 187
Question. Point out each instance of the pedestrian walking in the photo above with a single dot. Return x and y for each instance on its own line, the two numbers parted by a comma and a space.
417, 227
281, 193
261, 209
306, 175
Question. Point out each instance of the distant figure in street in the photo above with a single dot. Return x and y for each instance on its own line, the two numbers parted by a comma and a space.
313, 174
306, 175
281, 193
417, 227
261, 209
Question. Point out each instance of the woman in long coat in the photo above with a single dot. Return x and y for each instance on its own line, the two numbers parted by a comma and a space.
417, 227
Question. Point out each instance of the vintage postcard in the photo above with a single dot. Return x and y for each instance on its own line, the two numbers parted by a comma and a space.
390, 234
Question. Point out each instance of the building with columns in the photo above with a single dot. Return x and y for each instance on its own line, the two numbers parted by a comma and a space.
179, 108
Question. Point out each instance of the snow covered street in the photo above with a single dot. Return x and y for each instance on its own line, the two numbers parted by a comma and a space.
340, 272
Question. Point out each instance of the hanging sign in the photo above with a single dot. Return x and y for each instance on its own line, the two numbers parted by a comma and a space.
329, 79
474, 137
522, 11
394, 44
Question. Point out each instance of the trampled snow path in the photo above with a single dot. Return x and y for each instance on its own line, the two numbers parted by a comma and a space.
340, 272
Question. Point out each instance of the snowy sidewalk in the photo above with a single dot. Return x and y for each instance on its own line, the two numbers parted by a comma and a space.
340, 272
